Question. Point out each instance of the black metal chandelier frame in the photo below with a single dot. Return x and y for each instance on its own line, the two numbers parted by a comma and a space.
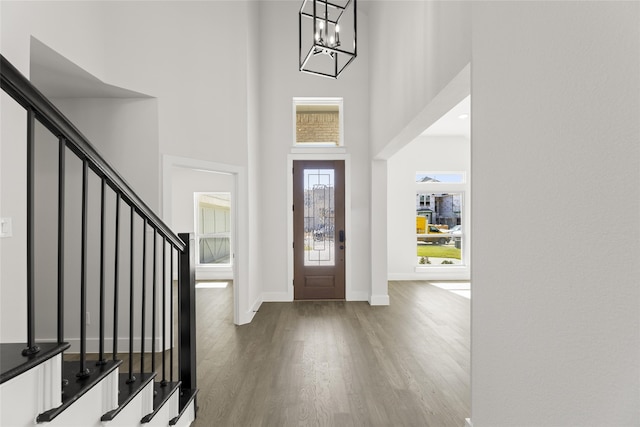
320, 46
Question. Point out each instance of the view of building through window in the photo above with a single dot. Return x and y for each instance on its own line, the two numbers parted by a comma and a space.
318, 122
439, 228
213, 228
448, 178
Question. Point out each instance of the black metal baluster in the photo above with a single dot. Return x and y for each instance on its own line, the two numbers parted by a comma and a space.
61, 201
144, 292
101, 358
171, 316
32, 348
187, 319
153, 301
179, 308
164, 312
116, 278
84, 371
131, 378
62, 149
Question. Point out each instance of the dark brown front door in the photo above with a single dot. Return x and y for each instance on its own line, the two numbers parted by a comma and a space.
318, 229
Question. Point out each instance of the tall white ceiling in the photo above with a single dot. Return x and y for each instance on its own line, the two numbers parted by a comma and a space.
455, 122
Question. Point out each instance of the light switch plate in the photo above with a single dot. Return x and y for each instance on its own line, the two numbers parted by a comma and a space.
6, 229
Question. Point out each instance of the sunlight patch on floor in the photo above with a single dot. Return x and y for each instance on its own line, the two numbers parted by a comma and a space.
460, 288
211, 285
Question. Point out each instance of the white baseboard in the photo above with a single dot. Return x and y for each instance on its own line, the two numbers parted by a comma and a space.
248, 316
432, 273
467, 422
276, 297
257, 304
379, 300
287, 297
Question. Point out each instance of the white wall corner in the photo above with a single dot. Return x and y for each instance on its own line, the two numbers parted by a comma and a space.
467, 422
247, 317
379, 257
358, 296
379, 300
256, 305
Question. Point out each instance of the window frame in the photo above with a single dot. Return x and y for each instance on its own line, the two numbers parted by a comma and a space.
198, 236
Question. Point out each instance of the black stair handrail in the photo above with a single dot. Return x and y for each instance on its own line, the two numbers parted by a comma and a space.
40, 109
20, 89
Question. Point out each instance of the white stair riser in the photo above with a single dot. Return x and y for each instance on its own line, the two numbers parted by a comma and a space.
23, 398
16, 409
188, 416
87, 411
140, 406
166, 413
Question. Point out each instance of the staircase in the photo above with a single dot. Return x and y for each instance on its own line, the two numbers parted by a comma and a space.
138, 367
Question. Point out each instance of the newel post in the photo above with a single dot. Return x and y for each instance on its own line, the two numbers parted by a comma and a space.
187, 316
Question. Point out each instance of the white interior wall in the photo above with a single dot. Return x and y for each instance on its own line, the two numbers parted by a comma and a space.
59, 23
280, 81
556, 345
428, 44
13, 261
555, 128
46, 252
125, 133
418, 72
255, 194
201, 98
432, 153
192, 56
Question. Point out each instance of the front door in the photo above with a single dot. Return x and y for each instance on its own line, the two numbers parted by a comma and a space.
318, 229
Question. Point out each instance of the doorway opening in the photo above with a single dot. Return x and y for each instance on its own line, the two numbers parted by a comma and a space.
183, 178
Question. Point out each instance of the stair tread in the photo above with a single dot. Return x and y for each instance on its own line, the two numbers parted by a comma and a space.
186, 396
127, 391
13, 363
161, 395
77, 387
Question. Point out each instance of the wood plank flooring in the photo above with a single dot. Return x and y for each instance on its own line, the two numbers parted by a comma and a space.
334, 363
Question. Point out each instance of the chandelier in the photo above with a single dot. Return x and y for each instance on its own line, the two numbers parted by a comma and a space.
327, 34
